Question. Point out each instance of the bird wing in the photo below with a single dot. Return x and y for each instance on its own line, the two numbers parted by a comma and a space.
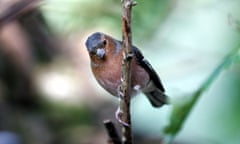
147, 66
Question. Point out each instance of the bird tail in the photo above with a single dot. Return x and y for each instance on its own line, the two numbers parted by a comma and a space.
157, 98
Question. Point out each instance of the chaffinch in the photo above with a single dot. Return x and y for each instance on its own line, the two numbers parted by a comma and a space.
106, 59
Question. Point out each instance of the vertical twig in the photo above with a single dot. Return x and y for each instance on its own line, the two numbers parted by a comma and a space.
126, 69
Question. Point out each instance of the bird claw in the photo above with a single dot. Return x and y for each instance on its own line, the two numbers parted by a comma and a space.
120, 93
128, 56
118, 114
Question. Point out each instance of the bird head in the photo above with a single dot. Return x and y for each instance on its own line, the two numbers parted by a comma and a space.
96, 45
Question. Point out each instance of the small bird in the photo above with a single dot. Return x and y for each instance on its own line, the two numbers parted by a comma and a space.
106, 54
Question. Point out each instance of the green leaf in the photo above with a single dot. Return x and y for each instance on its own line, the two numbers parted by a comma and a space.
181, 110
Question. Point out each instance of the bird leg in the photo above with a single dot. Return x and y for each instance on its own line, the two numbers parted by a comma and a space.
120, 93
128, 56
118, 115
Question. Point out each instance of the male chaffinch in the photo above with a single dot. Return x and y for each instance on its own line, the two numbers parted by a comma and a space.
106, 59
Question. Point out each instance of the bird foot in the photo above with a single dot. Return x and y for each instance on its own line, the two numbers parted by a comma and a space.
118, 115
120, 93
128, 56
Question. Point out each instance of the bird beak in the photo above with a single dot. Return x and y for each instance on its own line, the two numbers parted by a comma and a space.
100, 52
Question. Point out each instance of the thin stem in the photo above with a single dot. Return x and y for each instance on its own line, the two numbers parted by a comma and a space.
126, 70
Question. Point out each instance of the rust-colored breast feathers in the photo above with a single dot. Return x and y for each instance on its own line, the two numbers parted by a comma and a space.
107, 71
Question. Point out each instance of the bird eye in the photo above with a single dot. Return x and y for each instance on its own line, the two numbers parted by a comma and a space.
104, 42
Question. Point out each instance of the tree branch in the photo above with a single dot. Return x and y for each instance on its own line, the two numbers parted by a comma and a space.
126, 70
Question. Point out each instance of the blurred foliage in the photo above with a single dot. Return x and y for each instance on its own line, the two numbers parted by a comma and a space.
72, 15
73, 123
182, 108
68, 120
62, 116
